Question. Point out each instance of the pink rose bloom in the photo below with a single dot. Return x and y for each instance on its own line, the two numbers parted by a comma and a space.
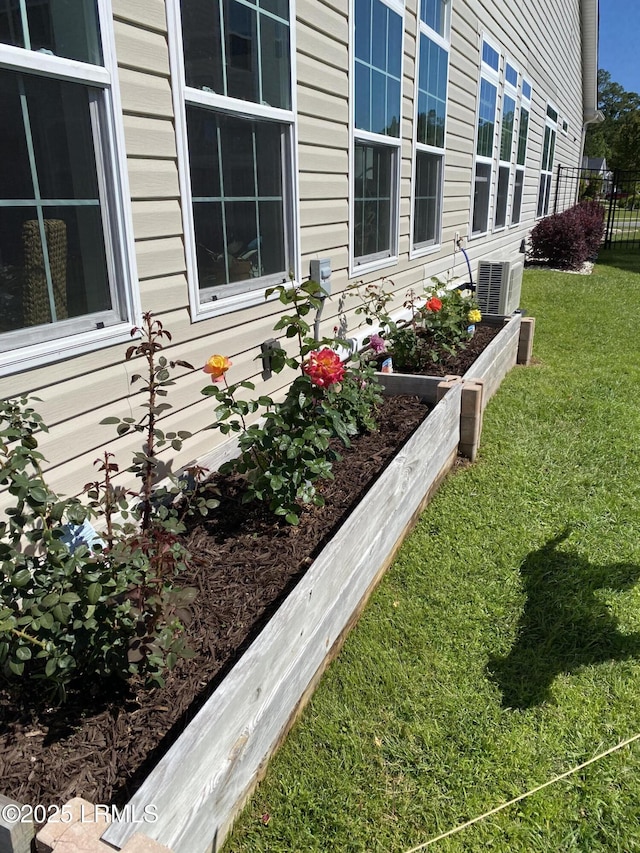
377, 343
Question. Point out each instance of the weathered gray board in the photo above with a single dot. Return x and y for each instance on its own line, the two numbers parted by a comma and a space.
205, 778
15, 836
491, 366
498, 358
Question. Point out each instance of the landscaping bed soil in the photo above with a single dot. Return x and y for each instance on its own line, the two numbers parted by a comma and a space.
103, 742
459, 363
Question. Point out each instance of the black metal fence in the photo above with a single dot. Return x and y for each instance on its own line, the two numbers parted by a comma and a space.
618, 192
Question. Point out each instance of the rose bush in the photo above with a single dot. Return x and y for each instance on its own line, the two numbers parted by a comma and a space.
439, 324
284, 455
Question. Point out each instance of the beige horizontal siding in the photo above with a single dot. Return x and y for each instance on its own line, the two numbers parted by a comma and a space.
330, 23
319, 104
141, 49
146, 13
318, 212
149, 137
163, 294
145, 94
333, 52
157, 218
153, 179
323, 131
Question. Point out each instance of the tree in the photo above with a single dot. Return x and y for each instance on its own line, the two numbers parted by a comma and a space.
616, 138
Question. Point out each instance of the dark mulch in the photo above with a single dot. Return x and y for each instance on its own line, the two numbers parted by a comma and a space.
104, 741
457, 364
101, 745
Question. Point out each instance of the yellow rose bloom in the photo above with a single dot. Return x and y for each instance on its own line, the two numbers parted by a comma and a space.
474, 316
217, 366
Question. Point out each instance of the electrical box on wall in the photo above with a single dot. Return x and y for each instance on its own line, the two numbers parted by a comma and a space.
320, 271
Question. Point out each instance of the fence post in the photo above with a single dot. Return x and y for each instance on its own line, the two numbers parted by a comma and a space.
555, 200
611, 215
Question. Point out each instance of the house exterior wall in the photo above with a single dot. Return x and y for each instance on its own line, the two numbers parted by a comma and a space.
542, 41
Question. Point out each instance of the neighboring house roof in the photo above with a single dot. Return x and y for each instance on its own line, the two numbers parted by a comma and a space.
597, 164
589, 18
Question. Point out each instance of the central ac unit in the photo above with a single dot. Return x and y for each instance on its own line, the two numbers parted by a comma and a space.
499, 284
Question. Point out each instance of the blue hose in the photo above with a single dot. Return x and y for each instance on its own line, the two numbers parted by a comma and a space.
466, 257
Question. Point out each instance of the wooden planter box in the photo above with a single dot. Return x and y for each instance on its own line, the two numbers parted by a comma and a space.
205, 778
201, 784
511, 346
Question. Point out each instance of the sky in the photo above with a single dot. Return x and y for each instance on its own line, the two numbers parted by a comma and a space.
619, 41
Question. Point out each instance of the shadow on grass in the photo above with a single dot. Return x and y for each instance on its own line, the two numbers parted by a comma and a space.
622, 258
563, 626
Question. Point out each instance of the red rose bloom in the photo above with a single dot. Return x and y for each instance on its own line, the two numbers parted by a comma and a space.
434, 304
324, 368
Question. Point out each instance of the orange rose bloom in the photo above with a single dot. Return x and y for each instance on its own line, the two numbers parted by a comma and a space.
434, 304
217, 366
324, 368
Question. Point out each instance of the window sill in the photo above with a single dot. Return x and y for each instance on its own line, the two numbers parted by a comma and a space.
234, 302
424, 251
356, 270
24, 358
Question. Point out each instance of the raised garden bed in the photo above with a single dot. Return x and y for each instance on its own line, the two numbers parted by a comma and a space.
233, 735
511, 345
202, 781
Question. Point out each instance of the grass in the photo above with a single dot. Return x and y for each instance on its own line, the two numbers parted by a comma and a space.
503, 646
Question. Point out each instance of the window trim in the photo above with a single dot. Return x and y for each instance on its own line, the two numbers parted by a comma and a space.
488, 73
370, 263
508, 91
524, 103
418, 250
241, 294
547, 173
111, 167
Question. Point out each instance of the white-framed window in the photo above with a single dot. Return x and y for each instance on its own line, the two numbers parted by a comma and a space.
521, 151
233, 99
430, 124
485, 138
66, 253
378, 27
505, 148
546, 165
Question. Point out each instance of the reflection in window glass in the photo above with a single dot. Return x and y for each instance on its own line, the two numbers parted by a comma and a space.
501, 197
432, 12
511, 75
378, 58
544, 194
432, 93
67, 28
548, 152
490, 56
373, 200
201, 34
426, 223
523, 130
506, 136
517, 196
239, 217
238, 50
482, 186
53, 262
486, 118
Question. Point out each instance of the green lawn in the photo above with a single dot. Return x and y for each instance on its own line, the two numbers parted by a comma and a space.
503, 646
